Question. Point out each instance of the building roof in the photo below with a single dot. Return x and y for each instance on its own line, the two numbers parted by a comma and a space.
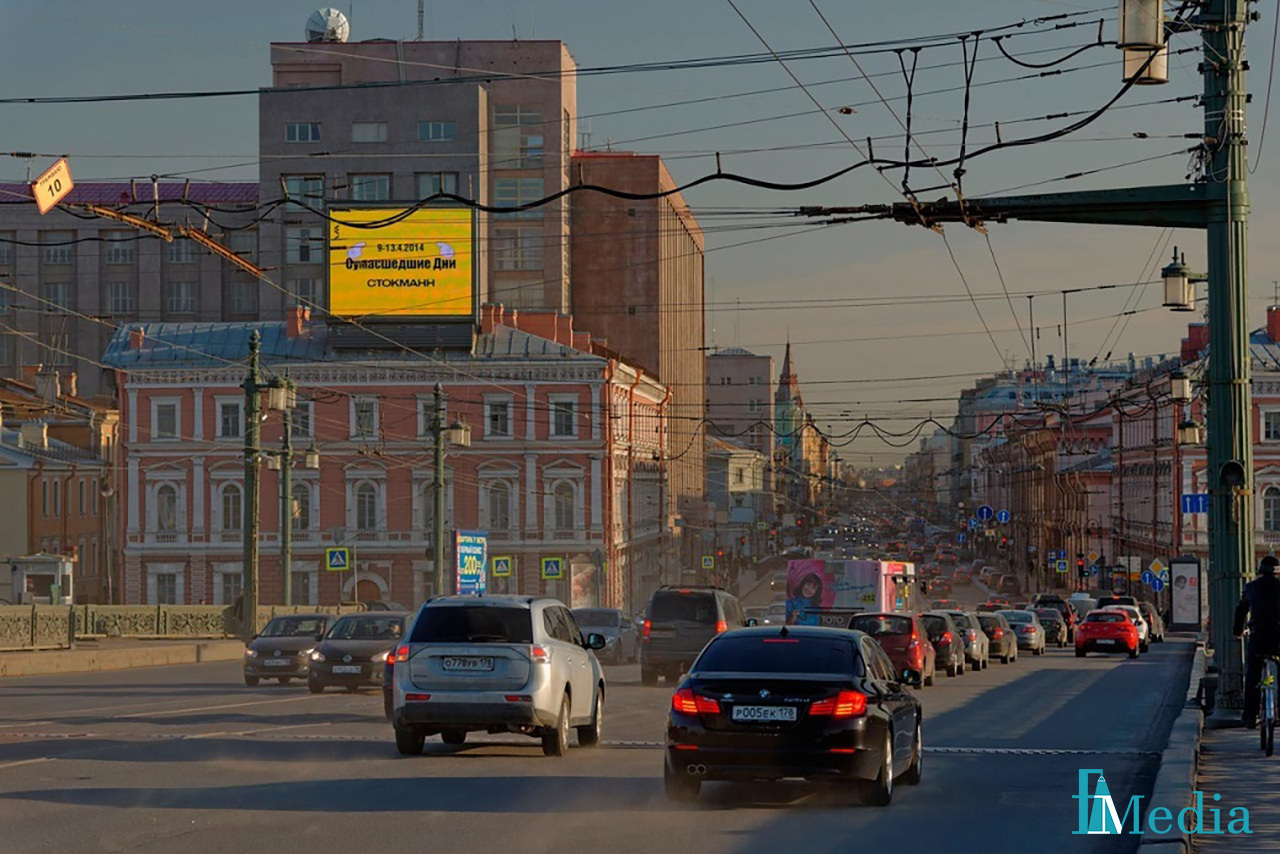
716, 444
124, 193
732, 351
12, 446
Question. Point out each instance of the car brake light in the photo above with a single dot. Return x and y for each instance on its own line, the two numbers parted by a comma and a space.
645, 630
846, 704
686, 702
997, 633
721, 627
946, 637
539, 655
401, 654
416, 698
519, 698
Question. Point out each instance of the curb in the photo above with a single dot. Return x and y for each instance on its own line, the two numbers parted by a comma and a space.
1175, 782
93, 660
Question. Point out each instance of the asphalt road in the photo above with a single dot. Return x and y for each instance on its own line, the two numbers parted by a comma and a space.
189, 759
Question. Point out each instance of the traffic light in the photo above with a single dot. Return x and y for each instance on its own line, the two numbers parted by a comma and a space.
719, 552
1080, 565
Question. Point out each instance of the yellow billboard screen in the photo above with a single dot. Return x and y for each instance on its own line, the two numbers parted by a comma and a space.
417, 264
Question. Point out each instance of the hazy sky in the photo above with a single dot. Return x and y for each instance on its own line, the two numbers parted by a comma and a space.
71, 47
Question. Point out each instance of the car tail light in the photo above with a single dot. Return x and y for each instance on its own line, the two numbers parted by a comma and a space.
539, 655
686, 702
401, 654
1028, 630
846, 704
685, 746
416, 698
644, 632
946, 637
842, 750
519, 698
721, 627
997, 633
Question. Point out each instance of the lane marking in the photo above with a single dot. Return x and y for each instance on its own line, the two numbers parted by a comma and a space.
216, 708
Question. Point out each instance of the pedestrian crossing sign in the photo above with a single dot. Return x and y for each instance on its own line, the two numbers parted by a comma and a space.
553, 568
708, 562
337, 559
501, 567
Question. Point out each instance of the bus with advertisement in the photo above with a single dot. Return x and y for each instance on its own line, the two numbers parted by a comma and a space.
824, 592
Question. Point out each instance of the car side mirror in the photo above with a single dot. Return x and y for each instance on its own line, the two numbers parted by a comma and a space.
595, 641
752, 621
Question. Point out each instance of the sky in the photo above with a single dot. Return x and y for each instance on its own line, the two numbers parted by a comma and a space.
877, 312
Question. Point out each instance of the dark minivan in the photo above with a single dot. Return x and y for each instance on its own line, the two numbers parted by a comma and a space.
678, 623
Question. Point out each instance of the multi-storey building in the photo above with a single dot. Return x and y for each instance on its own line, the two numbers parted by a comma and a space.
567, 459
739, 398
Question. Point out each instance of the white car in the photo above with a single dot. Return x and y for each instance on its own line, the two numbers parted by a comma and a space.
1144, 629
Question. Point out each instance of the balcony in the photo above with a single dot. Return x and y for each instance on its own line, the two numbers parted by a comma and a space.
568, 536
370, 536
166, 537
228, 536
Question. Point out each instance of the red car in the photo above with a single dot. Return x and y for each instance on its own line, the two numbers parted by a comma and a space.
1106, 631
906, 642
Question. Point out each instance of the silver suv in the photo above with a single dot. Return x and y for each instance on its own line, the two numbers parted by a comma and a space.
497, 664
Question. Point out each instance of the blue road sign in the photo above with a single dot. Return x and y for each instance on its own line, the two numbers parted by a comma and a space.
553, 568
1195, 502
973, 523
1093, 570
1157, 585
960, 537
337, 559
986, 513
1061, 565
500, 567
1003, 517
1148, 576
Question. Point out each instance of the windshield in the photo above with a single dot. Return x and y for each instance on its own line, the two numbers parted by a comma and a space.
293, 627
1105, 618
1018, 616
473, 624
596, 617
881, 625
1048, 615
775, 654
690, 607
367, 628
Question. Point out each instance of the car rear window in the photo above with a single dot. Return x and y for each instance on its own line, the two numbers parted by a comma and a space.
988, 622
1048, 614
961, 621
776, 654
934, 625
1018, 616
473, 624
293, 627
689, 607
367, 628
601, 617
1106, 618
881, 625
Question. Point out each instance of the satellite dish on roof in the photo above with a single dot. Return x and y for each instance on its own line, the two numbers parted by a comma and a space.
328, 25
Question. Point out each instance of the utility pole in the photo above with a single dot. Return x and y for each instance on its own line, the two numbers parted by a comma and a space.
286, 510
437, 436
252, 400
1219, 204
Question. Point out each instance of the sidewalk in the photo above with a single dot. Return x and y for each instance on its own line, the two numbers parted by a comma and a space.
1232, 765
117, 654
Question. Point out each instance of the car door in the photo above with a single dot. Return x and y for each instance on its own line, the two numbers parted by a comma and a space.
896, 701
581, 673
626, 638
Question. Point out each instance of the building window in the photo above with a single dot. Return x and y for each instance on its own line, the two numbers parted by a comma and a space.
367, 507
243, 243
1271, 426
229, 419
84, 508
518, 140
119, 246
58, 247
182, 251
231, 504
6, 298
302, 132
300, 590
563, 502
167, 508
368, 131
93, 495
431, 183
55, 296
497, 418
740, 476
753, 406
166, 588
435, 131
370, 187
44, 498
120, 298
513, 192
57, 498
517, 249
300, 420
6, 247
305, 188
56, 347
229, 586
8, 349
499, 506
164, 421
302, 244
181, 298
364, 417
301, 507
242, 297
564, 417
304, 290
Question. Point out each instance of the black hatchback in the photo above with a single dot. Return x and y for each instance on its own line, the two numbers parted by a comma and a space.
797, 701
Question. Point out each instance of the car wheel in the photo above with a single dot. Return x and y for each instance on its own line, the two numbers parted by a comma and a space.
928, 680
879, 792
315, 687
251, 681
952, 671
556, 742
589, 735
409, 743
454, 736
387, 706
1133, 653
1142, 647
285, 680
683, 788
1079, 652
1005, 659
915, 771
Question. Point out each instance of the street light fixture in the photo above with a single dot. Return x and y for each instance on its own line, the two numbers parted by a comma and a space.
1179, 284
1190, 434
311, 460
1180, 387
459, 434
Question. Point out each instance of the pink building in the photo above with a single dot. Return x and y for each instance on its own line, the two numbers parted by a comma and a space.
567, 459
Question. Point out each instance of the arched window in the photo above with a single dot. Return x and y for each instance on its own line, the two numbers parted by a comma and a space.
301, 507
499, 506
563, 501
231, 503
167, 508
1271, 509
366, 507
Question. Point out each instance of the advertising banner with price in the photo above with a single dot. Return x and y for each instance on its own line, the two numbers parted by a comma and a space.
472, 549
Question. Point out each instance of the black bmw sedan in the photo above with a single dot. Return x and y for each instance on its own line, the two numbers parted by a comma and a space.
795, 701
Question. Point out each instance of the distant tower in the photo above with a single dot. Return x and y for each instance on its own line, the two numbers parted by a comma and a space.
787, 405
328, 25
